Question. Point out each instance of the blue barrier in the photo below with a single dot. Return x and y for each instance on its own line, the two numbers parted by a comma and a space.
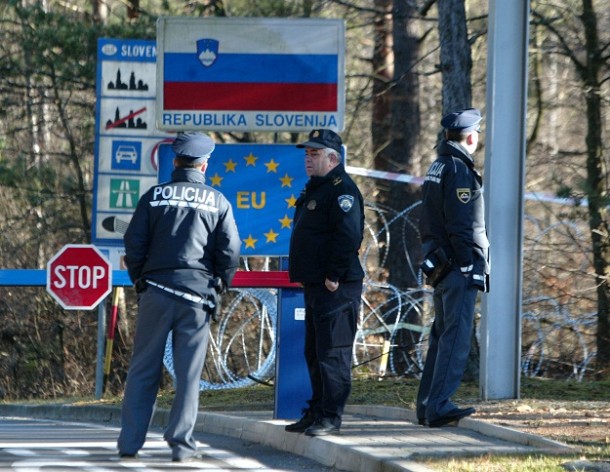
292, 388
38, 278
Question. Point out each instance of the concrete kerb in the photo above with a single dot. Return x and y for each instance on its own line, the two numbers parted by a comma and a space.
331, 451
519, 437
487, 429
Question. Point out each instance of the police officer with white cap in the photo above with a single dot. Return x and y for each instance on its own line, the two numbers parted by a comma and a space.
455, 248
181, 249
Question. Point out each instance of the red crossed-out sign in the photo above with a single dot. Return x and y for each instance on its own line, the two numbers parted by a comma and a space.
79, 277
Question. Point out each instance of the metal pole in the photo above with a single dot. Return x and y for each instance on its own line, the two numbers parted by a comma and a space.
505, 139
101, 338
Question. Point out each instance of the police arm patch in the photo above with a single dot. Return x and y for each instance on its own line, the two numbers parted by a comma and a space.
345, 202
463, 194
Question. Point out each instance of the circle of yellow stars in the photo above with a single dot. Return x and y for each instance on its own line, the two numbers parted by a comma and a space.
272, 166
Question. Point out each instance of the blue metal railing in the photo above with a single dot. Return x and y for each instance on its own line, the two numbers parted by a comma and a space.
38, 278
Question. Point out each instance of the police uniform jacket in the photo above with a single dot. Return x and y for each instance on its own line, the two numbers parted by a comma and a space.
182, 235
453, 209
328, 230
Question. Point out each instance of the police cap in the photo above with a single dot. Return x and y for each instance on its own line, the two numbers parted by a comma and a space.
464, 120
193, 146
323, 138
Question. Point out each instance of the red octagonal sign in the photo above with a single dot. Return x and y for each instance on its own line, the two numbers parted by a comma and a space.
79, 277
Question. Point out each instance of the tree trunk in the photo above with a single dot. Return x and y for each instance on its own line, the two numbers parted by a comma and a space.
596, 178
382, 78
456, 67
456, 61
404, 132
395, 131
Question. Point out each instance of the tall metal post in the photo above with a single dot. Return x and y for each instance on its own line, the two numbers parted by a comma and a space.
505, 138
101, 342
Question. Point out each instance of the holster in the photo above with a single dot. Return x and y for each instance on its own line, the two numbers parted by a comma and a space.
436, 266
215, 297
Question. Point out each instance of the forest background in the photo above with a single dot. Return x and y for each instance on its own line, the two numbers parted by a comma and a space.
407, 63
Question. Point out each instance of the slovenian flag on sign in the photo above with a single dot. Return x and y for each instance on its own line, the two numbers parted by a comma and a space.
252, 65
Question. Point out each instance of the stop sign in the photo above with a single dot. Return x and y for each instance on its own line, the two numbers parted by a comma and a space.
79, 277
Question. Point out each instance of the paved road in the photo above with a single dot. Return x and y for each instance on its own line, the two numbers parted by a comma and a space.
32, 445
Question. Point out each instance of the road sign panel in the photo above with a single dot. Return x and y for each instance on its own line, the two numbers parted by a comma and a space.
250, 74
126, 139
79, 277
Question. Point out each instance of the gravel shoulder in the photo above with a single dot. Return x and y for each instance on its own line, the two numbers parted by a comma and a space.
576, 422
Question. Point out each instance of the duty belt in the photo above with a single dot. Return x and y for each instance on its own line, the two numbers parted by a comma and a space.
184, 295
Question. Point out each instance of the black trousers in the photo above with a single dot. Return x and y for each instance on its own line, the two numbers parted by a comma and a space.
330, 329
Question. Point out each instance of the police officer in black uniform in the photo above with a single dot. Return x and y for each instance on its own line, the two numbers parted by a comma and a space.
455, 248
181, 249
328, 230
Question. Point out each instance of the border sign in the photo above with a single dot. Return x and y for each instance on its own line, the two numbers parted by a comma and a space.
262, 182
126, 140
250, 74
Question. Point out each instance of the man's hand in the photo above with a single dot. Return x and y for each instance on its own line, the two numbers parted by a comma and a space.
330, 285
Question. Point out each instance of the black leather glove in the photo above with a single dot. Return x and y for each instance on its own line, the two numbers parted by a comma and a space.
218, 288
140, 285
436, 266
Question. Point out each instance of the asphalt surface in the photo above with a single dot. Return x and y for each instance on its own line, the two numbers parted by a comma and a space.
372, 439
29, 445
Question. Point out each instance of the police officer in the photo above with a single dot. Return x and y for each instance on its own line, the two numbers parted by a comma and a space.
455, 248
181, 249
328, 230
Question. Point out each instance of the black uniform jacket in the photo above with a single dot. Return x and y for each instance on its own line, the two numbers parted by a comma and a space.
453, 211
182, 235
328, 230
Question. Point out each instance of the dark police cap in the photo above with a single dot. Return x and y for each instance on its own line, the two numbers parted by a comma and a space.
323, 138
193, 146
464, 120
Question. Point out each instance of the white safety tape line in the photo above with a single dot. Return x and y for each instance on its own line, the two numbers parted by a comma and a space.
411, 179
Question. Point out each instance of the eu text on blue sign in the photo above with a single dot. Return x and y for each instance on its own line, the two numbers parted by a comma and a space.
262, 182
250, 74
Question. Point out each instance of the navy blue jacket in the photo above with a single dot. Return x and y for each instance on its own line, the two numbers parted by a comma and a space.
182, 235
453, 211
328, 230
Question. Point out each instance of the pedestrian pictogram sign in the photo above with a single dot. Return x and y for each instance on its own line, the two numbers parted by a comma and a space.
79, 277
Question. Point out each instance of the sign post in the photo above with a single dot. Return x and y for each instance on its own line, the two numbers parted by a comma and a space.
79, 277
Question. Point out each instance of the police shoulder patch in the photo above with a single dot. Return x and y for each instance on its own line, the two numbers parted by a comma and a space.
463, 194
345, 202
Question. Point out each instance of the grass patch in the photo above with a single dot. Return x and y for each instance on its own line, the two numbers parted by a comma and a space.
525, 463
397, 392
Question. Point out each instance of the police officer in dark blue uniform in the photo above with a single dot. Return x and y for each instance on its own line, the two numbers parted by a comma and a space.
181, 249
328, 230
455, 248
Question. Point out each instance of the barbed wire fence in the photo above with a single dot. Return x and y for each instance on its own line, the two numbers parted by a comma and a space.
558, 317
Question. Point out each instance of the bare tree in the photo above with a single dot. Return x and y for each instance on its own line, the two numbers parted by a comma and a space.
456, 67
383, 66
590, 59
456, 61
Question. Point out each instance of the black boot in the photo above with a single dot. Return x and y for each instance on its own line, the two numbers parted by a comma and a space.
305, 422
